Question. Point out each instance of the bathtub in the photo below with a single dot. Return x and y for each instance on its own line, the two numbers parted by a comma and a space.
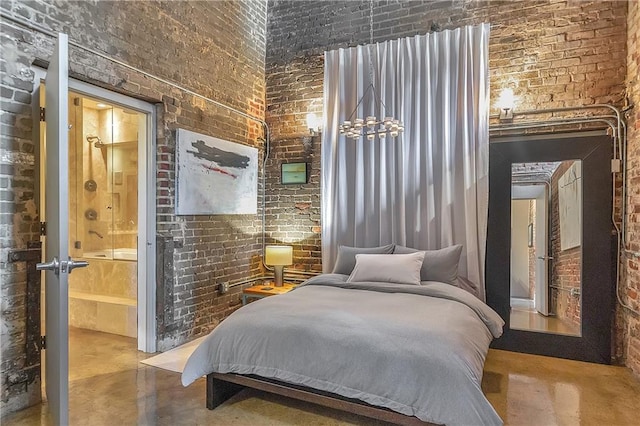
115, 254
103, 297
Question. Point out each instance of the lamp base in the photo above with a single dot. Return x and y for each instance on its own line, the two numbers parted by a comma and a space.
278, 272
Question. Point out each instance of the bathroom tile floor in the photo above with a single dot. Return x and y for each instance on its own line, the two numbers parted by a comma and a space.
109, 386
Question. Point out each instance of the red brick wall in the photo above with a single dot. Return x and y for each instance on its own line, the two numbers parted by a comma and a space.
566, 264
628, 322
553, 53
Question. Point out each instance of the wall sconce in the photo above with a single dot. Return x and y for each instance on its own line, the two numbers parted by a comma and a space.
313, 123
505, 103
278, 257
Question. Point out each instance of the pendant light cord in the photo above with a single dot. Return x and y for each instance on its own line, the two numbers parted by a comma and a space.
371, 42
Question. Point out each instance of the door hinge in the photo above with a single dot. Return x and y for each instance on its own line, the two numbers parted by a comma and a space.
43, 342
42, 114
43, 228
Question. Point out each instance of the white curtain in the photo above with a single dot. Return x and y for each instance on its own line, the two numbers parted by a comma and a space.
428, 188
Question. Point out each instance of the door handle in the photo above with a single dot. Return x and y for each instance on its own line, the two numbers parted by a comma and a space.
54, 266
545, 257
65, 266
73, 264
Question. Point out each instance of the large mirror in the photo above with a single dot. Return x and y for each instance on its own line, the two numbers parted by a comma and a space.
546, 247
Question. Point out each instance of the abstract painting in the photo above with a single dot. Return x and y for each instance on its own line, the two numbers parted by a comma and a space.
570, 206
215, 176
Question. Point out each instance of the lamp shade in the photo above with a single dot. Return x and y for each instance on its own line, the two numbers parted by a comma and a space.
278, 255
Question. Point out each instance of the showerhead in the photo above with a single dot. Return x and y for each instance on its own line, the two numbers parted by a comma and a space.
96, 141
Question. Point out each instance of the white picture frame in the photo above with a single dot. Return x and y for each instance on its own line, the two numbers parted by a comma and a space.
214, 176
570, 206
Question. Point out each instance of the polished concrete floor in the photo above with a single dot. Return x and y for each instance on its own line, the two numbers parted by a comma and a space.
530, 320
109, 386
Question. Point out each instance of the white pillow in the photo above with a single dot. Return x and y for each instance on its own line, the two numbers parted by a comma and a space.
388, 268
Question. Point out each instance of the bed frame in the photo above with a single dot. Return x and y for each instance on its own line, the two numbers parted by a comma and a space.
221, 387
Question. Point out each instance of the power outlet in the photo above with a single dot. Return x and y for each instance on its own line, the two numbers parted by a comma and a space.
223, 288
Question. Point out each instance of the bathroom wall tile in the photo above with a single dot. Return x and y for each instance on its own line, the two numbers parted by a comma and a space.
106, 277
112, 318
83, 313
132, 321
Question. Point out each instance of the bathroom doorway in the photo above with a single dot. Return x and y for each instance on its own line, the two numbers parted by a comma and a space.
103, 214
111, 211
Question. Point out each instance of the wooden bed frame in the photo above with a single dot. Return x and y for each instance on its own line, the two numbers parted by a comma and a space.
221, 387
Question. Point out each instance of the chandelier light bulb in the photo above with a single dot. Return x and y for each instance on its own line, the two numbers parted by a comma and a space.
371, 121
388, 125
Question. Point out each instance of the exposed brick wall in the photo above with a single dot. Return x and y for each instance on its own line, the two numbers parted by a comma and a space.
566, 264
214, 48
628, 322
553, 53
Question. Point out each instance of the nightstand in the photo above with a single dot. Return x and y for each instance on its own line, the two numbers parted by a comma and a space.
264, 290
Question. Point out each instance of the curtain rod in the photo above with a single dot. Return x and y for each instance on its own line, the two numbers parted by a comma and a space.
37, 28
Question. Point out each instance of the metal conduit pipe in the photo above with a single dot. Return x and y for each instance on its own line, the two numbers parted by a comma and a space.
560, 122
574, 291
52, 34
566, 122
567, 109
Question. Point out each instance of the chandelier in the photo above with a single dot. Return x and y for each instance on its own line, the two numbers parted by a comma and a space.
371, 126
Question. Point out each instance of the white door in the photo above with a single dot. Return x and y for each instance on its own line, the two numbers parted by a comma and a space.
58, 265
542, 258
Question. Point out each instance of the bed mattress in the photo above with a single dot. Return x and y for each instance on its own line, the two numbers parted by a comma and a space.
417, 350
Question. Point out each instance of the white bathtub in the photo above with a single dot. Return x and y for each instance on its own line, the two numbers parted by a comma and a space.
115, 254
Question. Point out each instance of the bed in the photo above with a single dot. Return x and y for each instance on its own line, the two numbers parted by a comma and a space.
405, 353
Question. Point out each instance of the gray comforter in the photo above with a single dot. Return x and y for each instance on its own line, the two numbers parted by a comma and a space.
417, 350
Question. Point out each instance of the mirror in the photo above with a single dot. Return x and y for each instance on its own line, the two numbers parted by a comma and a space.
546, 247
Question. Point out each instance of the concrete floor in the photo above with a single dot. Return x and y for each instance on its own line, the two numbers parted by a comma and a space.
109, 386
530, 320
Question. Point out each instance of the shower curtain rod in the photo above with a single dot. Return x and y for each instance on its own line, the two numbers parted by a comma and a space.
267, 148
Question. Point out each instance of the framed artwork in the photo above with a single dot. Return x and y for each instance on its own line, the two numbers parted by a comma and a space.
293, 173
214, 176
570, 206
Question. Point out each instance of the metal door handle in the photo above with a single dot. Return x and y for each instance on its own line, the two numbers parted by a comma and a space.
545, 257
65, 266
73, 264
54, 266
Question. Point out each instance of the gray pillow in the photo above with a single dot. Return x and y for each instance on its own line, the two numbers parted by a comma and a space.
346, 260
438, 265
388, 268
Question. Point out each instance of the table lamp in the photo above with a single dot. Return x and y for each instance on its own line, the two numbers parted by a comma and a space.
278, 257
